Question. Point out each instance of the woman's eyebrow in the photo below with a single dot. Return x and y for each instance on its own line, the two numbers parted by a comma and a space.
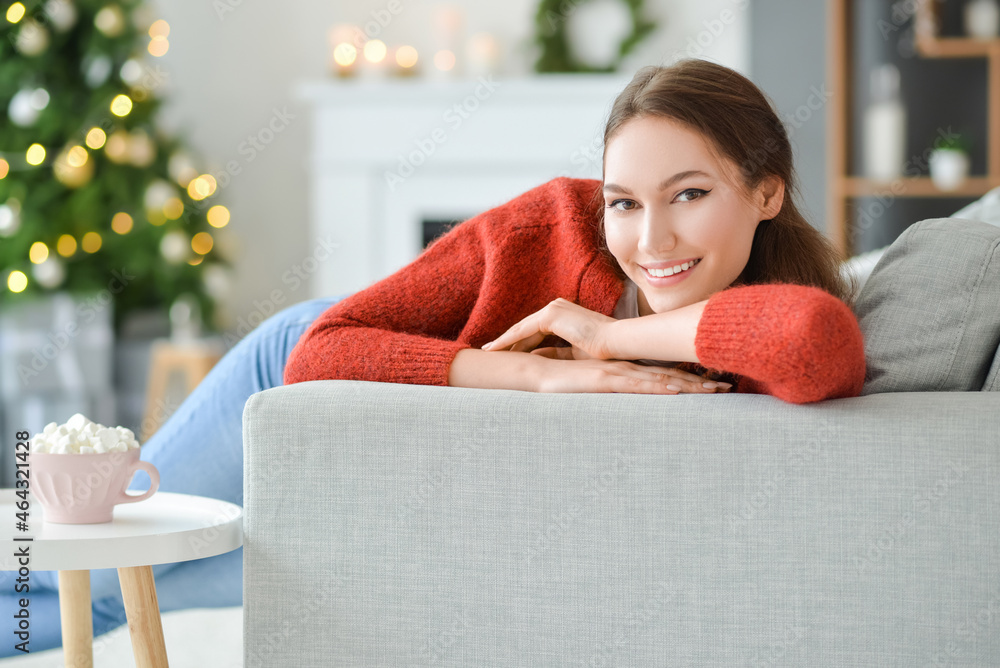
666, 183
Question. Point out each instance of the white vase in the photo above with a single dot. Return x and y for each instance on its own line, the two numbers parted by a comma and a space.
949, 168
982, 19
884, 126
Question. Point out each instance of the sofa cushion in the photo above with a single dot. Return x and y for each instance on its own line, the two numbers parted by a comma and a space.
992, 383
929, 311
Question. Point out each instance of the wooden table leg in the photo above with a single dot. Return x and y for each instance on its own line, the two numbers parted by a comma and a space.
143, 613
76, 618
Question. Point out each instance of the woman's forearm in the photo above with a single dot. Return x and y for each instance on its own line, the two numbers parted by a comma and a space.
660, 336
501, 370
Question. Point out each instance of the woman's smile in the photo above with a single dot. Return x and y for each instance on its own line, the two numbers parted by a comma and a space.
670, 275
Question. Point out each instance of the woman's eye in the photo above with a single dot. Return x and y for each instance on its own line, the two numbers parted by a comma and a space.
689, 195
700, 193
614, 205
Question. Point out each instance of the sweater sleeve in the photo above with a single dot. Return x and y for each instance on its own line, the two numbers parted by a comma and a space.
403, 328
798, 343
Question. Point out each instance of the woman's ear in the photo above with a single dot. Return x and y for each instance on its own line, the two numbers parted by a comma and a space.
771, 195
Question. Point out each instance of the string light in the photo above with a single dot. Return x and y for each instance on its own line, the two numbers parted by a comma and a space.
4, 168
35, 154
77, 156
15, 12
38, 253
66, 245
121, 223
158, 46
173, 208
218, 216
17, 281
91, 242
196, 260
202, 243
201, 187
160, 28
96, 138
121, 105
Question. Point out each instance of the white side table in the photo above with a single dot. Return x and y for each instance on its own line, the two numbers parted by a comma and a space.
165, 528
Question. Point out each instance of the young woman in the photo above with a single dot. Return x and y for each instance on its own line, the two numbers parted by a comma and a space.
698, 234
688, 264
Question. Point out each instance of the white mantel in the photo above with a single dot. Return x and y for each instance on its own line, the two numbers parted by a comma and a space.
472, 144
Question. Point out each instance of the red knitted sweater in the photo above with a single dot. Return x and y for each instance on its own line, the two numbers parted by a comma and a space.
797, 343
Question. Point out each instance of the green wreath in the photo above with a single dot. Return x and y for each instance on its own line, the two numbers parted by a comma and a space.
550, 35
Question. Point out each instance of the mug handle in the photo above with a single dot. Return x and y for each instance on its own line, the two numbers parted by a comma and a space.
154, 483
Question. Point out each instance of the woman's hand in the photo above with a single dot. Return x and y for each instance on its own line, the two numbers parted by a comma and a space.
597, 375
585, 330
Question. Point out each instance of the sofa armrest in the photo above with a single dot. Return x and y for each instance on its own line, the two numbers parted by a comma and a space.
391, 525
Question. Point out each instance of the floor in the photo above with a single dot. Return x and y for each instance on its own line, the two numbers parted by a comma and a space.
194, 638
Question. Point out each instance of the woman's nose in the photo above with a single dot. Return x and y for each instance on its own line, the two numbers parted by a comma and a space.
657, 238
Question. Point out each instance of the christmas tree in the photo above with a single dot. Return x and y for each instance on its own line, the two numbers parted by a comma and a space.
92, 195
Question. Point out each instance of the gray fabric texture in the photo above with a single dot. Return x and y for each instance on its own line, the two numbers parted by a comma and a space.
407, 525
930, 311
992, 383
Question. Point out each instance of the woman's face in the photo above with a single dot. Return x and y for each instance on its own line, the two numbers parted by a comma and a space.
668, 201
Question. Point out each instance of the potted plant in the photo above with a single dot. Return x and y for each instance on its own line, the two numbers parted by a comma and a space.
949, 162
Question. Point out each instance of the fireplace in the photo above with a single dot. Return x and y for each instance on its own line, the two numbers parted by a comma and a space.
395, 162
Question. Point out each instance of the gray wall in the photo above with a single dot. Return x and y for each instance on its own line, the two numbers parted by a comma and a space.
788, 62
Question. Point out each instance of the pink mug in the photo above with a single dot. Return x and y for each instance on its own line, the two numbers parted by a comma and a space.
84, 489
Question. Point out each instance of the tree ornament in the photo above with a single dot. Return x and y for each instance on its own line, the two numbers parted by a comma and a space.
131, 72
116, 147
61, 13
26, 105
141, 149
110, 20
32, 39
157, 194
50, 274
551, 35
175, 246
96, 70
10, 218
181, 168
73, 167
217, 282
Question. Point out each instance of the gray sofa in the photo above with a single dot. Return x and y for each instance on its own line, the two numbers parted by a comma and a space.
405, 525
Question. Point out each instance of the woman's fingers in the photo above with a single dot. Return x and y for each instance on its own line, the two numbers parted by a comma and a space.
682, 381
555, 353
529, 343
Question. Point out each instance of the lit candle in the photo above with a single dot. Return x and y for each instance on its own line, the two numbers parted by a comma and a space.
374, 61
447, 34
482, 54
345, 42
406, 61
344, 62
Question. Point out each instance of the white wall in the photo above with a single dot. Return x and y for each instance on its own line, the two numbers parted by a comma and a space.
232, 67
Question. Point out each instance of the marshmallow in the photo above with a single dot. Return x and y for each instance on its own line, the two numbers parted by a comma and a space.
79, 435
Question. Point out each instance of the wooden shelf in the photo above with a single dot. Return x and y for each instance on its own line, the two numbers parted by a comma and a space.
843, 186
974, 186
956, 47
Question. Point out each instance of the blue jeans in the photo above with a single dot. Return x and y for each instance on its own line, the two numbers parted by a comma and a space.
198, 450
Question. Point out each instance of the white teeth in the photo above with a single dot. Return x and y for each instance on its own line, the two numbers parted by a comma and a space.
672, 270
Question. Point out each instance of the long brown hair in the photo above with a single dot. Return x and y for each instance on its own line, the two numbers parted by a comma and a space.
739, 123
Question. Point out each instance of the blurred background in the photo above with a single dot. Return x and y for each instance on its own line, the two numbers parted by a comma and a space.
171, 174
